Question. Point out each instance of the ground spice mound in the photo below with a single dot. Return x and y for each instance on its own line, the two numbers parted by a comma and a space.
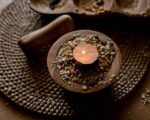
96, 6
72, 71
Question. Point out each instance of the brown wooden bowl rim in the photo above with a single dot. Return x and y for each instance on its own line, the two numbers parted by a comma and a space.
74, 87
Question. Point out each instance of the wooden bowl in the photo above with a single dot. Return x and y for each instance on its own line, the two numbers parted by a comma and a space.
93, 8
75, 87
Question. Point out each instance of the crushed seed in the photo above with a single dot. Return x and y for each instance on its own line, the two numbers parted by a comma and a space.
96, 6
84, 87
145, 97
72, 71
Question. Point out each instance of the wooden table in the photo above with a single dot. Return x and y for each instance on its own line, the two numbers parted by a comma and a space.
130, 108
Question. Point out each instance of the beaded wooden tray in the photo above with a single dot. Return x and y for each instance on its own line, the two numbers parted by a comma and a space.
92, 7
28, 83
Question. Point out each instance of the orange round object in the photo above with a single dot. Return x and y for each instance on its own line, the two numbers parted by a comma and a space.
85, 53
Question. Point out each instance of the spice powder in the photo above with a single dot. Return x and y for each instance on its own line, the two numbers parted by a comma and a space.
72, 71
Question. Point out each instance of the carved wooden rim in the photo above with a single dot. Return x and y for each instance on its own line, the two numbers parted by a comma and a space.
54, 72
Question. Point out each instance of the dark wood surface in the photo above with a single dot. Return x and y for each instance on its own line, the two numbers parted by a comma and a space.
130, 108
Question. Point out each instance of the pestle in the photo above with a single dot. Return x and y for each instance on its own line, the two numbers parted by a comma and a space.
35, 40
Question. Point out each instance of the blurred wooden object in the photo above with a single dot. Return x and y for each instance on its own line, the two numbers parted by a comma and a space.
35, 40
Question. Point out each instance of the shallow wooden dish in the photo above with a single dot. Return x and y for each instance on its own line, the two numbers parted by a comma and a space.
55, 74
126, 7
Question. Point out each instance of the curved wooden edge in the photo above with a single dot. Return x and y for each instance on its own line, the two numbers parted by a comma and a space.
140, 8
54, 72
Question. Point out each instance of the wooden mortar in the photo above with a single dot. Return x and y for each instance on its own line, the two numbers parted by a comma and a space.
74, 87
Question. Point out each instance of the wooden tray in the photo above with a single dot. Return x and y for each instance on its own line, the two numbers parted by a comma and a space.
93, 7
